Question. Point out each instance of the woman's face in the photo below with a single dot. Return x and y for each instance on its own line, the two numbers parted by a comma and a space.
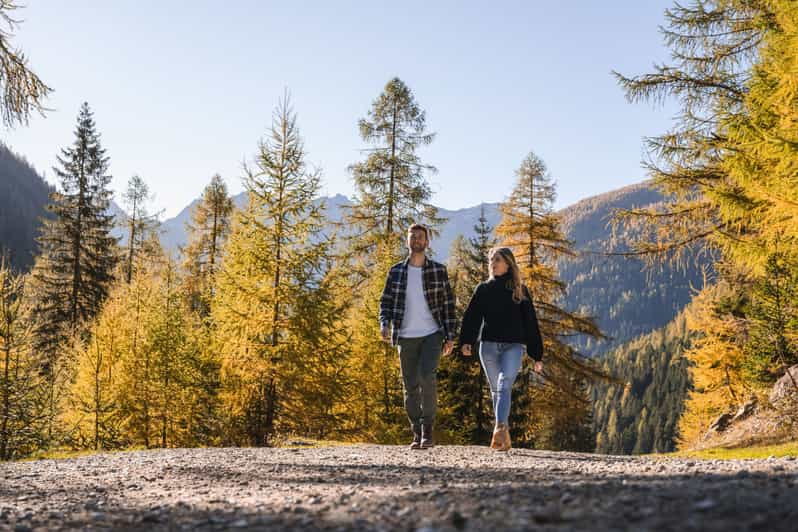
498, 266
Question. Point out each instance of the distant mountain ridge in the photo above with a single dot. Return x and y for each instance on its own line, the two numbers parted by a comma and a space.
174, 236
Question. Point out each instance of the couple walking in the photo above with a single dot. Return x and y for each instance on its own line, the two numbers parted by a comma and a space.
417, 315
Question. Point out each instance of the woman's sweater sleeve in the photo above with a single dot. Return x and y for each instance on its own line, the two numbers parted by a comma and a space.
534, 340
472, 319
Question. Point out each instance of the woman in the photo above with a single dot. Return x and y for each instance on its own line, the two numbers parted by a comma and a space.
504, 306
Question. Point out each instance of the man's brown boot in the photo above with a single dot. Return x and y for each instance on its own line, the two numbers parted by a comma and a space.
426, 436
416, 443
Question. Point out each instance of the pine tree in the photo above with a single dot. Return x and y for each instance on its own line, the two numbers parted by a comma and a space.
140, 224
207, 234
72, 275
552, 413
271, 242
20, 382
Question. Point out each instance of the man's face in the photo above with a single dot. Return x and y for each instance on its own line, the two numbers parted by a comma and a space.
417, 240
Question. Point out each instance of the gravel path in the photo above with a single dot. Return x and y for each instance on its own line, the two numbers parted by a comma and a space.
372, 487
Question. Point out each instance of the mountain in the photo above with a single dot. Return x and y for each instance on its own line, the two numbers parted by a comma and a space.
23, 199
626, 298
173, 230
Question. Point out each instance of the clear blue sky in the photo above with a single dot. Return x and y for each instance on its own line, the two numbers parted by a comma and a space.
184, 89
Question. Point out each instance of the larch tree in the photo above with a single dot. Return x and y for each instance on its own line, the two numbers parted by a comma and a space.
392, 193
21, 90
207, 234
93, 415
729, 170
20, 381
555, 413
140, 224
273, 239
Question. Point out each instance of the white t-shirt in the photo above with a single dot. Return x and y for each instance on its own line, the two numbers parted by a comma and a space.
418, 321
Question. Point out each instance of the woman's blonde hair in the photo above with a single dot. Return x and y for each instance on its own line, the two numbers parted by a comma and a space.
515, 283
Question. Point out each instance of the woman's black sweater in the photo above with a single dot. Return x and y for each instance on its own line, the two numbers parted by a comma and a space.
505, 320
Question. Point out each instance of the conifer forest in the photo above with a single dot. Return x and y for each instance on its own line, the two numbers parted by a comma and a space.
264, 325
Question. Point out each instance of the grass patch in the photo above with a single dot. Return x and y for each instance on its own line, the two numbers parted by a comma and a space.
740, 453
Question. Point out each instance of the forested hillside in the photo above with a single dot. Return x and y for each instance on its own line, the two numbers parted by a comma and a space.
626, 297
641, 413
23, 199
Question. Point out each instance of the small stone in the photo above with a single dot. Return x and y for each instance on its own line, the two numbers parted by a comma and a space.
97, 516
240, 523
151, 517
706, 504
22, 528
458, 520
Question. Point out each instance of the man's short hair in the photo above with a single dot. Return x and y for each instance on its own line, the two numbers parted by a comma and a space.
419, 227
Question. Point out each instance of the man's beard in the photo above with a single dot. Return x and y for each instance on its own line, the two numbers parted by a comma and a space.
418, 248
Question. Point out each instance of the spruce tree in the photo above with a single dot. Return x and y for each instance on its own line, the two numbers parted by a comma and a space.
78, 252
76, 267
465, 396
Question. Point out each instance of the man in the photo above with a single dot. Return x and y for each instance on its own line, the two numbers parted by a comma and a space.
417, 315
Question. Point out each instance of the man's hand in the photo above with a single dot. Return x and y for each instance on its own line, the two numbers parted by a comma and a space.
538, 366
386, 334
466, 350
447, 347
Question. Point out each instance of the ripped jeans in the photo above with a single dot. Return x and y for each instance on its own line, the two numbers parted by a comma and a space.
502, 362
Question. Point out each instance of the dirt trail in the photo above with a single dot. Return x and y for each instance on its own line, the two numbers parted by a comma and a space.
371, 487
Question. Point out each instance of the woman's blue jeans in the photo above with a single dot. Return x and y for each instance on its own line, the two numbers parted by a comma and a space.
502, 362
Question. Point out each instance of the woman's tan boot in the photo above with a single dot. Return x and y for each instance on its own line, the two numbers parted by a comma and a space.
496, 440
503, 438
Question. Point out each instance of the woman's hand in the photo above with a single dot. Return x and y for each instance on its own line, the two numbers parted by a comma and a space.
538, 366
466, 350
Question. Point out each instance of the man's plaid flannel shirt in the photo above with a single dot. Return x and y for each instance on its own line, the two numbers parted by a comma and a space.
437, 292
